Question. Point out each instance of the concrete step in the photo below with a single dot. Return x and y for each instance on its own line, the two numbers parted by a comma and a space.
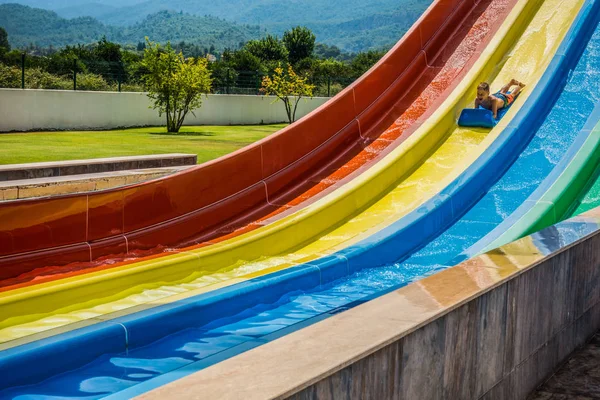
58, 185
96, 165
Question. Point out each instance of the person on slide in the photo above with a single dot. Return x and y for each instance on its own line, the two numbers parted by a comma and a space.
498, 100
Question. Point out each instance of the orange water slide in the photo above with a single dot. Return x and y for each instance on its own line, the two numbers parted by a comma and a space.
270, 178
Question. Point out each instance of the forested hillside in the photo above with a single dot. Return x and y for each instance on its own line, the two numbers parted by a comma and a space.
27, 25
43, 28
352, 25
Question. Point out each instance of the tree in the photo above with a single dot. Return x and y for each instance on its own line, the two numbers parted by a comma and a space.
324, 51
268, 48
174, 83
300, 43
243, 60
4, 39
107, 60
288, 87
364, 61
331, 68
107, 51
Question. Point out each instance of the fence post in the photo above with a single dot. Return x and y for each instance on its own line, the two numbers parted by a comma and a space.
119, 74
23, 70
74, 74
228, 78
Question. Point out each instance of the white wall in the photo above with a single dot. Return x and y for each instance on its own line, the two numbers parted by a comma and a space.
30, 109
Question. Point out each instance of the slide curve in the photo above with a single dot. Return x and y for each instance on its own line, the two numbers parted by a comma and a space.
225, 263
145, 327
217, 198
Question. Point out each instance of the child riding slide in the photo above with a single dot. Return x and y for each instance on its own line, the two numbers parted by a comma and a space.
498, 100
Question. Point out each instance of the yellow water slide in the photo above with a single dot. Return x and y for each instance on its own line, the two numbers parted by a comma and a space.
412, 173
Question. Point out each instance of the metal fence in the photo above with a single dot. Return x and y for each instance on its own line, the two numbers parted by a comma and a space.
249, 82
118, 76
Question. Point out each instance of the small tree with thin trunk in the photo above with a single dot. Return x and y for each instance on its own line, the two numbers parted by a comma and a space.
289, 87
174, 83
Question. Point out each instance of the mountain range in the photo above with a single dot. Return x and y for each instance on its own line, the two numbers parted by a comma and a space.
352, 25
45, 28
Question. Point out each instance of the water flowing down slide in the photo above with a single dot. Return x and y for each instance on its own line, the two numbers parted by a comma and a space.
262, 182
436, 164
555, 177
588, 197
471, 39
311, 235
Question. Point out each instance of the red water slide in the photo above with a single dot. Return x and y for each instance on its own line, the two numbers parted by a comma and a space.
229, 195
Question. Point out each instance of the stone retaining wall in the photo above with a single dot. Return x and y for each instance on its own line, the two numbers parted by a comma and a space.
500, 345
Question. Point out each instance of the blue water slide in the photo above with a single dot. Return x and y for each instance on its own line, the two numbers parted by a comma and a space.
537, 195
234, 315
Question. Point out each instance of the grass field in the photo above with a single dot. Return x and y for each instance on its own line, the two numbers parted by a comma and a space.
208, 142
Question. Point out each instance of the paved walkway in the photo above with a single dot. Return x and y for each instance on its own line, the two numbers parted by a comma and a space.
578, 379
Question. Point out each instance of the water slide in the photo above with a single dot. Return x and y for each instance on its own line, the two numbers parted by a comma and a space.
527, 42
275, 176
251, 246
403, 179
590, 197
560, 165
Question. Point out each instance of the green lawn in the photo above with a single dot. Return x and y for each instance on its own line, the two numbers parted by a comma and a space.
208, 142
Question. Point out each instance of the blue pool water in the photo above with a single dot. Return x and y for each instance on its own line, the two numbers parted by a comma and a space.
116, 372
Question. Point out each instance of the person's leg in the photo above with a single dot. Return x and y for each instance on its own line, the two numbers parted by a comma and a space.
510, 84
517, 89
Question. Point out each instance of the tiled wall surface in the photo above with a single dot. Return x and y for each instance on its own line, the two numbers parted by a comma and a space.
499, 345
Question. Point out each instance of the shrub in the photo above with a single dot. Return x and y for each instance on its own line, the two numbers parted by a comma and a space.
35, 78
131, 87
91, 82
335, 88
10, 77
